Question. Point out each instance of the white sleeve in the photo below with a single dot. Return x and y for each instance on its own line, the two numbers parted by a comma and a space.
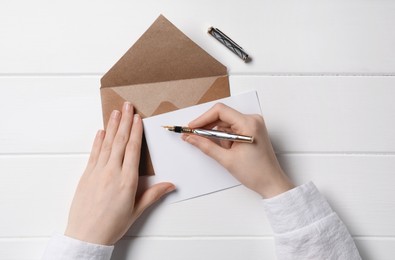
61, 247
305, 226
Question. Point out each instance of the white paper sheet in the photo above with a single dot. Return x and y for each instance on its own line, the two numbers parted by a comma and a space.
193, 173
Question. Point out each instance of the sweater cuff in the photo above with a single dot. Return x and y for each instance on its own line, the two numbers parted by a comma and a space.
296, 208
63, 247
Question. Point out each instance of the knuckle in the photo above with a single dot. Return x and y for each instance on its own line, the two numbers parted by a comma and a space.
256, 123
219, 106
257, 118
92, 161
128, 185
121, 140
106, 145
133, 147
154, 195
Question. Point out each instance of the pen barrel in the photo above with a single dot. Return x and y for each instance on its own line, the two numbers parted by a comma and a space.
223, 135
231, 45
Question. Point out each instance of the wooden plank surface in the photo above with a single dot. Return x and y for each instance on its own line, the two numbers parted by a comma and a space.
179, 248
324, 71
37, 191
303, 114
306, 36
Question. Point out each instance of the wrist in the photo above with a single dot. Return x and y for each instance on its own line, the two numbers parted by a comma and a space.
278, 183
88, 236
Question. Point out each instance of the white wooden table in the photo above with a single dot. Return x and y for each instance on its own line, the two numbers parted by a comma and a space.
324, 71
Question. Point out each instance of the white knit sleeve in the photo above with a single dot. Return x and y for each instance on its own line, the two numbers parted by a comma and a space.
61, 247
305, 226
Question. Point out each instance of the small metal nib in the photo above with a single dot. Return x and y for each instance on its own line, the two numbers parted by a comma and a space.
169, 128
178, 129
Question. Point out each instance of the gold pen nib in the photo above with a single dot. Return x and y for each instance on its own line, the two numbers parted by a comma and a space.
178, 129
169, 128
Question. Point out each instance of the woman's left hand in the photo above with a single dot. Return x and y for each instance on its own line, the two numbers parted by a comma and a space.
105, 206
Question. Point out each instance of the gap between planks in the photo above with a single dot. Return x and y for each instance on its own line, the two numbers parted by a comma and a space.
271, 74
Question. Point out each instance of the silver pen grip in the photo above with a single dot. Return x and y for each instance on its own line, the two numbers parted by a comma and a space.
223, 135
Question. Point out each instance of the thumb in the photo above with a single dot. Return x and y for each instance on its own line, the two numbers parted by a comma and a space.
208, 147
152, 195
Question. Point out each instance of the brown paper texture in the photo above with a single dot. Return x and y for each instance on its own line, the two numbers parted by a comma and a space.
163, 71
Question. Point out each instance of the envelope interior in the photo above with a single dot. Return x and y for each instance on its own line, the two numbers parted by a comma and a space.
163, 71
157, 98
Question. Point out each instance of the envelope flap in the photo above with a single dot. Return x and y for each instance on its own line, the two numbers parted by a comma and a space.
163, 53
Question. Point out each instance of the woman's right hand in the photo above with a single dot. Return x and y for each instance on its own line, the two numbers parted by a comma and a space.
254, 165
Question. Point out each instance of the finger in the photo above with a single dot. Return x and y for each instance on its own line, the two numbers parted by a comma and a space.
217, 124
225, 143
226, 129
111, 130
209, 148
122, 136
95, 151
219, 112
132, 153
152, 195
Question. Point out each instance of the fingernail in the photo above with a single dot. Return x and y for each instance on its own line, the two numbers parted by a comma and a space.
170, 189
100, 133
187, 138
127, 106
136, 117
115, 114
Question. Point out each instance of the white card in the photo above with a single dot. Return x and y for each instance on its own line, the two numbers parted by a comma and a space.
192, 172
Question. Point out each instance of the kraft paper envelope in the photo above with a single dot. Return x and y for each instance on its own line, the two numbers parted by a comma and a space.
163, 71
193, 173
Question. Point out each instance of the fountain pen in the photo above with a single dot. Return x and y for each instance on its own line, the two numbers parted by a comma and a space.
211, 134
